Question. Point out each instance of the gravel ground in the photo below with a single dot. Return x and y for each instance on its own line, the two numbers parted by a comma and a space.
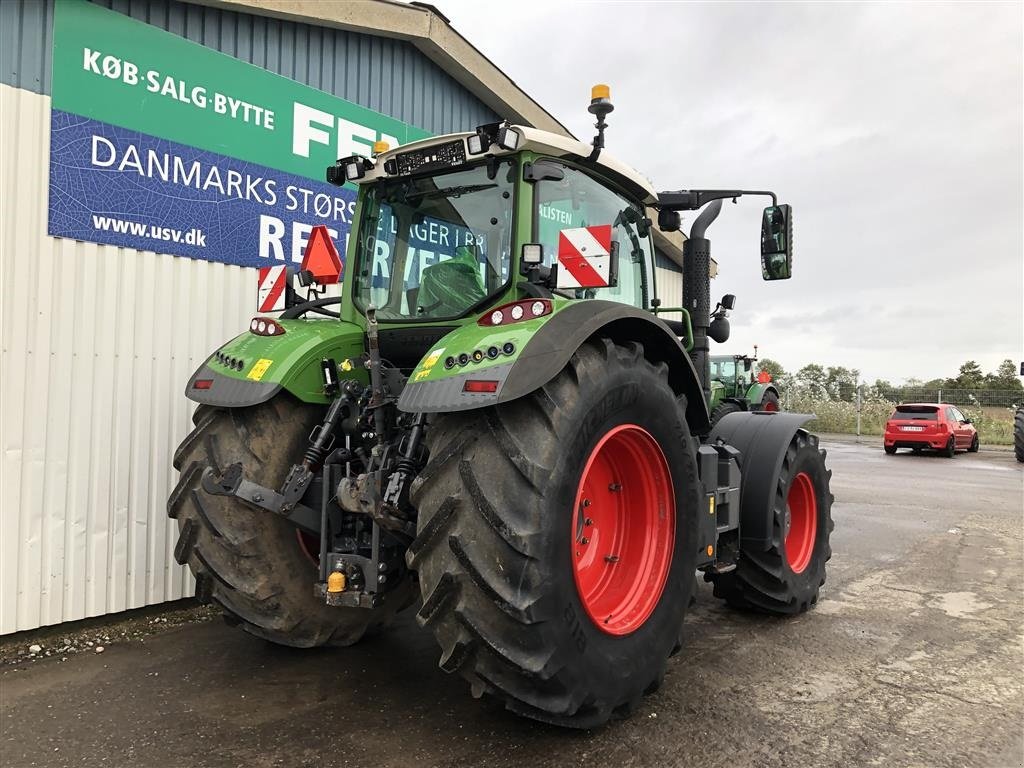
913, 657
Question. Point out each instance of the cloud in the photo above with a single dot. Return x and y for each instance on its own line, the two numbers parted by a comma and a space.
895, 130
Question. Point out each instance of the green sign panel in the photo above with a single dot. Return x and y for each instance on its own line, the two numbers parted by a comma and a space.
110, 67
158, 143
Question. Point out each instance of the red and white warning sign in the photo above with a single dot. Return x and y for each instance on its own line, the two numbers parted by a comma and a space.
584, 257
271, 294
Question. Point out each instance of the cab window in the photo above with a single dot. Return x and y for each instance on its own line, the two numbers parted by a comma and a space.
579, 201
723, 370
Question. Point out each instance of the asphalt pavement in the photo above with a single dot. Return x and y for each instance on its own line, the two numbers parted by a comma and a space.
913, 657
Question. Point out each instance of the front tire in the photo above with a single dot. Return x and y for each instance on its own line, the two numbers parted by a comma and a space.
248, 560
724, 409
786, 578
975, 444
503, 527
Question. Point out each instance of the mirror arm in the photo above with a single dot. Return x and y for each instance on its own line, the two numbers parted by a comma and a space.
694, 199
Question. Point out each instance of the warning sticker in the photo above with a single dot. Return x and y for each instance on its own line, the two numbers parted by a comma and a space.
258, 369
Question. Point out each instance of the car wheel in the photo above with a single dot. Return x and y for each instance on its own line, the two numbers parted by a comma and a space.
975, 444
950, 450
890, 449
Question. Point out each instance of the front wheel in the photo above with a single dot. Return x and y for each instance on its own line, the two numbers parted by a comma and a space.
975, 444
557, 538
785, 578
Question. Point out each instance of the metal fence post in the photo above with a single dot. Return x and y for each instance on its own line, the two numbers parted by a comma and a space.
858, 412
940, 397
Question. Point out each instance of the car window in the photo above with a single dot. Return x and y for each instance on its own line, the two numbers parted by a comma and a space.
916, 412
957, 416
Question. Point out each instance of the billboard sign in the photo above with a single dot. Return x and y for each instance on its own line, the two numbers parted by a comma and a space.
161, 144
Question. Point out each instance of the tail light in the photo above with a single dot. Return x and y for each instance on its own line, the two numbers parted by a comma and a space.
517, 311
942, 426
480, 385
265, 326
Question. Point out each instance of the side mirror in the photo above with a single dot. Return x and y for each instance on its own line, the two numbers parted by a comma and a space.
718, 330
728, 301
777, 243
968, 421
670, 221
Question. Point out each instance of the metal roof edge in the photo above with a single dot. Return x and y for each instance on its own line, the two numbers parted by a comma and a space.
424, 27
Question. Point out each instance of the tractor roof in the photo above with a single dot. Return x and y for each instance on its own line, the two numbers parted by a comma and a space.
536, 140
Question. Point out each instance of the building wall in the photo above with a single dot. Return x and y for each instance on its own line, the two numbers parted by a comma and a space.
98, 341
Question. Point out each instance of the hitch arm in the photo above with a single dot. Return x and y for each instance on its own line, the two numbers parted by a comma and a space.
233, 483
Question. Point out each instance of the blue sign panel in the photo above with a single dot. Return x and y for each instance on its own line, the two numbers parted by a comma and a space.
125, 188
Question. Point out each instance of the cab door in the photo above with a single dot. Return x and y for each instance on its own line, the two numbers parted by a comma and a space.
579, 201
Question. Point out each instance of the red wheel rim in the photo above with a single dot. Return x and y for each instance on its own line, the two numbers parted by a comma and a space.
771, 405
801, 522
623, 530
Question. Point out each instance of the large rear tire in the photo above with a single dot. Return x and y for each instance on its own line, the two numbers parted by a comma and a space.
248, 560
517, 507
1018, 434
786, 578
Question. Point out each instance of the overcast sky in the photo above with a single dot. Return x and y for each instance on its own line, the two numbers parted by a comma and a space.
894, 130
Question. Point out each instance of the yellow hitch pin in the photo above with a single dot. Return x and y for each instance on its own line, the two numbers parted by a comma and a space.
336, 582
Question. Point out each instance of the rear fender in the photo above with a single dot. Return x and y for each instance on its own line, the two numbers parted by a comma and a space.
762, 439
757, 391
541, 348
251, 369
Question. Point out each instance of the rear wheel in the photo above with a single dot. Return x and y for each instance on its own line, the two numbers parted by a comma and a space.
950, 450
785, 578
556, 545
890, 449
1018, 434
248, 560
770, 401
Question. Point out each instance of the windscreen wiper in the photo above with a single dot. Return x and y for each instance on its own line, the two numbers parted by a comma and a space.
452, 191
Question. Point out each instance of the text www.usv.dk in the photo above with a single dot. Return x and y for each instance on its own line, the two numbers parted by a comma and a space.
153, 232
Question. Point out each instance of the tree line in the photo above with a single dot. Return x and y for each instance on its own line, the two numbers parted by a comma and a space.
970, 385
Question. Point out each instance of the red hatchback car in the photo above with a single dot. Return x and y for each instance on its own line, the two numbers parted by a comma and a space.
929, 425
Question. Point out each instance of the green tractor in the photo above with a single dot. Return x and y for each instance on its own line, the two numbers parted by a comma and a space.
493, 422
735, 388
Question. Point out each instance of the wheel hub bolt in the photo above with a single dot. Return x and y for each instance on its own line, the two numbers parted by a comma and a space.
584, 540
615, 487
611, 558
588, 521
586, 502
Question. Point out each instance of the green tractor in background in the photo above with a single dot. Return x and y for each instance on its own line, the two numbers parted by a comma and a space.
736, 388
494, 423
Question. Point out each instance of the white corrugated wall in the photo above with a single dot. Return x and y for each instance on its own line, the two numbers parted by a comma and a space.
98, 343
670, 290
